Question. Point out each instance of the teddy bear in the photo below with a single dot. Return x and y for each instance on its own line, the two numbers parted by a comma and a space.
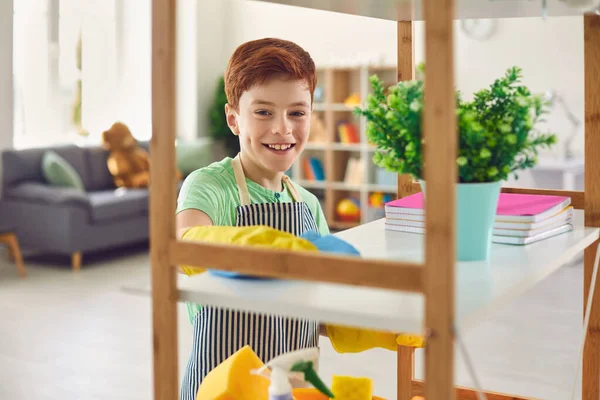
128, 163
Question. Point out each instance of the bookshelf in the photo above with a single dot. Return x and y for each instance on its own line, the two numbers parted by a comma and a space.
348, 170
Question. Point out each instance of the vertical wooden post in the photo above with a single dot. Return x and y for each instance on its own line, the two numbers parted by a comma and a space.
406, 71
405, 372
441, 141
162, 199
329, 161
591, 355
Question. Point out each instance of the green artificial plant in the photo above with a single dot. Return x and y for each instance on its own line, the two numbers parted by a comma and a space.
496, 130
219, 130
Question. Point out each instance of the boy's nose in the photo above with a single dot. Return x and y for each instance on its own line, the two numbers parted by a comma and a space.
283, 127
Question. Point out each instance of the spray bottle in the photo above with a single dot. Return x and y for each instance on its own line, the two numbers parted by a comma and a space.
296, 364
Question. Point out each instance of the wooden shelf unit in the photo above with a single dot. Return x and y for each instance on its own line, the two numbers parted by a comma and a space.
434, 277
337, 84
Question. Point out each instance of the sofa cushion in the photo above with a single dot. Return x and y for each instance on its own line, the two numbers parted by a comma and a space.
58, 172
118, 203
41, 193
97, 165
26, 165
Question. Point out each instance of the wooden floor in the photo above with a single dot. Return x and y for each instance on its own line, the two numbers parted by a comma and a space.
78, 336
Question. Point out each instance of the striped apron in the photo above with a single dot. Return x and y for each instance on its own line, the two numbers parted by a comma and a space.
218, 332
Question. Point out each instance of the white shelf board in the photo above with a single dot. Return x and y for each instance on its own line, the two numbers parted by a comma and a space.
346, 146
332, 106
345, 186
315, 146
312, 184
373, 187
407, 10
481, 286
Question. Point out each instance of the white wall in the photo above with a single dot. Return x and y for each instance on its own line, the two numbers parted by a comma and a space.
214, 29
550, 52
135, 85
187, 68
6, 77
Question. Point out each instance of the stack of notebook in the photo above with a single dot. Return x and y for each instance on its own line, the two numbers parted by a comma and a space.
520, 218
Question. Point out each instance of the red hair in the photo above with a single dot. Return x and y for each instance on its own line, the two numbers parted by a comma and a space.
257, 61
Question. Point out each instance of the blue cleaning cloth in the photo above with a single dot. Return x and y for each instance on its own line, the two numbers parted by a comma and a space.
330, 244
325, 244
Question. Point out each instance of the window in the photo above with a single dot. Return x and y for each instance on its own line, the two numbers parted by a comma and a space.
111, 82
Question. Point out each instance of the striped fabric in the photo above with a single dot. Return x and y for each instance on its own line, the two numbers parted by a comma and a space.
220, 332
289, 217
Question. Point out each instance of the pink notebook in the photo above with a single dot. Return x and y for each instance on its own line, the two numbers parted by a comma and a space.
511, 207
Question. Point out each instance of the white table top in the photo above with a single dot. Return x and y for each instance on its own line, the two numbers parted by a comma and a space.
481, 286
406, 10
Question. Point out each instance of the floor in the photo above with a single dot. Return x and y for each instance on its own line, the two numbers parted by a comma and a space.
80, 336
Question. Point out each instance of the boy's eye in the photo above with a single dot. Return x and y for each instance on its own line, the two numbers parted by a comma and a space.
298, 113
263, 112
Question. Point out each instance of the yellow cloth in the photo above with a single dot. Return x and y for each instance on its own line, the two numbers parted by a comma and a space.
256, 235
343, 339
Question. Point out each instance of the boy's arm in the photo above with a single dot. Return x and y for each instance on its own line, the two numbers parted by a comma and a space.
188, 219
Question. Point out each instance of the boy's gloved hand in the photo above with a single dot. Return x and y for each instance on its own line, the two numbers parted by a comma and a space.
355, 340
330, 244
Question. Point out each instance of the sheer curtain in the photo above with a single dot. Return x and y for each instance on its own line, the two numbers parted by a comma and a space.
114, 70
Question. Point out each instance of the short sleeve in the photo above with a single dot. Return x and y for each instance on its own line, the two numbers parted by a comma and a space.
202, 191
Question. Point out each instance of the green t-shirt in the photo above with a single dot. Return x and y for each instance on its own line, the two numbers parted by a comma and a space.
213, 190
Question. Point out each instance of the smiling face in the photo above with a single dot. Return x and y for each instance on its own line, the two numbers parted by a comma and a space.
273, 123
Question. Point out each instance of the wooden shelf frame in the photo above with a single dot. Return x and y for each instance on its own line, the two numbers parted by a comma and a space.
434, 279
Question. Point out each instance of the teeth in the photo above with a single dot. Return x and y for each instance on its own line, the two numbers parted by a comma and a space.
280, 146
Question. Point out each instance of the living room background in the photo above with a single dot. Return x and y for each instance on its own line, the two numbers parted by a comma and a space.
116, 60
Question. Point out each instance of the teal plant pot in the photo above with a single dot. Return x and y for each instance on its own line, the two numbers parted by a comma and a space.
475, 206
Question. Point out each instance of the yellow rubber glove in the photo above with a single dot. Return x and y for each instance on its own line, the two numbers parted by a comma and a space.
257, 236
356, 340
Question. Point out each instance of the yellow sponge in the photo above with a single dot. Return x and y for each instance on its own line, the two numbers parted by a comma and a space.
351, 388
232, 380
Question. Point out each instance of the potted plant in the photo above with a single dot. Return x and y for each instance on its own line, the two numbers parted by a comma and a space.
219, 130
497, 138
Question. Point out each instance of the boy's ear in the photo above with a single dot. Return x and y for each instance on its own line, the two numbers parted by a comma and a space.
232, 119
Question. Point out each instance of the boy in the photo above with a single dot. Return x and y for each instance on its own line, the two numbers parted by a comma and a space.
269, 85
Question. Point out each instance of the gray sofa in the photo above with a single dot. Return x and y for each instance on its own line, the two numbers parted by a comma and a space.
60, 220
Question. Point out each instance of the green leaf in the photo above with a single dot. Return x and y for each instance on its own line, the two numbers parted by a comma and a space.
496, 129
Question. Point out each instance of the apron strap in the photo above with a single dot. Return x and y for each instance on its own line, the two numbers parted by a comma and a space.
240, 180
295, 195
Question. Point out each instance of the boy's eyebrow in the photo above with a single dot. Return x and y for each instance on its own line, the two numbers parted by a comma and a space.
269, 103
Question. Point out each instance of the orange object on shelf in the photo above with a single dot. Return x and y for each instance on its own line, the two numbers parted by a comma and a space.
313, 394
308, 394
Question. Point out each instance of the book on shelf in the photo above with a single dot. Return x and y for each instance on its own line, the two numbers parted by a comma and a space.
520, 218
354, 171
348, 133
313, 169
